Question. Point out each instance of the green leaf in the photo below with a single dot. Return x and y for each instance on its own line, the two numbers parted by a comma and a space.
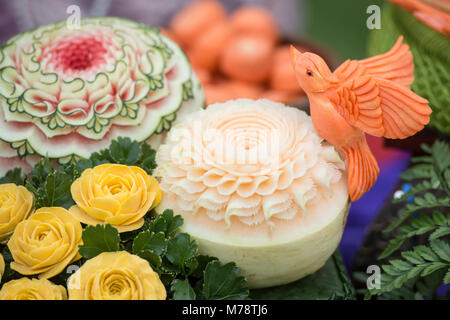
180, 249
439, 218
158, 224
172, 269
153, 258
412, 257
101, 157
147, 158
447, 277
182, 290
442, 249
419, 159
98, 239
124, 151
400, 265
222, 282
426, 253
393, 245
432, 268
399, 281
83, 164
392, 270
57, 190
414, 272
41, 170
421, 171
148, 240
53, 190
202, 262
420, 203
191, 265
439, 232
173, 222
166, 222
13, 176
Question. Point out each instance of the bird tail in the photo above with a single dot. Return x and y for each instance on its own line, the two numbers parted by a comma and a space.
362, 168
395, 65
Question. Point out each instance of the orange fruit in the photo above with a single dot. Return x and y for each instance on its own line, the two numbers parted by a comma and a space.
194, 19
255, 20
206, 49
247, 58
203, 75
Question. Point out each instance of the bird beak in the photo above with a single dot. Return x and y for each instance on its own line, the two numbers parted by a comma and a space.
294, 54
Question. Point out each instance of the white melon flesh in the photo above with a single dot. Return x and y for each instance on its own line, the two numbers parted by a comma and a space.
293, 250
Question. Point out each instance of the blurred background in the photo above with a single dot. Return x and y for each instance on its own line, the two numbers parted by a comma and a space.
335, 29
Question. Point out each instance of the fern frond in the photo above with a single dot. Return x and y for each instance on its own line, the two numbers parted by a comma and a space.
419, 262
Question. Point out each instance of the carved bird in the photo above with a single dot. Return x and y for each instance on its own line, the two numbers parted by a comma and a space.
362, 96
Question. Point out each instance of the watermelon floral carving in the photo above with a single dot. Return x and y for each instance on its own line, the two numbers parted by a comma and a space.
65, 93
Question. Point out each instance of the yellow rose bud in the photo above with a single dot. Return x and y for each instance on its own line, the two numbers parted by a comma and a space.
45, 243
116, 194
32, 289
16, 204
2, 267
116, 276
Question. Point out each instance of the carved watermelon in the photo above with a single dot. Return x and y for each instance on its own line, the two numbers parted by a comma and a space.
65, 93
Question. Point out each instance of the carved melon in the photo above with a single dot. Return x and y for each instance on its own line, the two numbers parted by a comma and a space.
256, 185
67, 92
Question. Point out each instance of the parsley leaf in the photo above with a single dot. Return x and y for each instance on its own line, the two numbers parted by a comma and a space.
221, 282
98, 239
148, 240
147, 158
154, 259
51, 187
182, 290
180, 249
124, 151
166, 222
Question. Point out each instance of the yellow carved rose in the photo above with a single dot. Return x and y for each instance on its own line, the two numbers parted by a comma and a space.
116, 194
2, 267
16, 204
32, 289
45, 243
116, 276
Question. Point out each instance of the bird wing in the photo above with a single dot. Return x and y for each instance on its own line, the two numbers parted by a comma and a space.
373, 94
380, 107
395, 65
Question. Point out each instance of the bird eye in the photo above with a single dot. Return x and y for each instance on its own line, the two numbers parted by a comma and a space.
309, 72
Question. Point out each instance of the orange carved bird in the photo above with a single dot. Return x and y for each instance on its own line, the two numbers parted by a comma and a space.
362, 96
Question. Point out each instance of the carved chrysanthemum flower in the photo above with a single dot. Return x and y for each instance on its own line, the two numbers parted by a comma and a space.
246, 162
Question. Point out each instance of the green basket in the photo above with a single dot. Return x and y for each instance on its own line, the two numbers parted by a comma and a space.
431, 51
